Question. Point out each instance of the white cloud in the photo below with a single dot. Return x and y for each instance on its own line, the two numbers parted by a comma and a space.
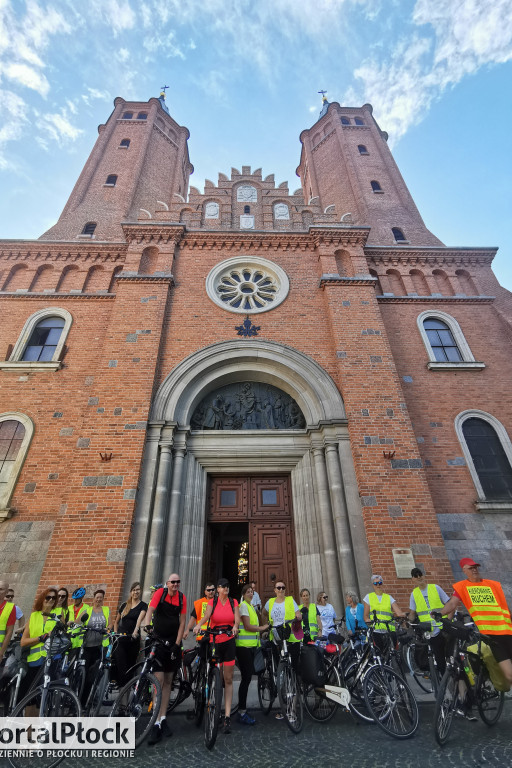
95, 94
57, 127
123, 54
27, 76
13, 118
448, 42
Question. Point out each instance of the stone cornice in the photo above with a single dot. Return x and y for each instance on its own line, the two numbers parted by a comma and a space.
338, 235
40, 251
338, 280
59, 296
134, 277
429, 255
436, 299
239, 241
154, 232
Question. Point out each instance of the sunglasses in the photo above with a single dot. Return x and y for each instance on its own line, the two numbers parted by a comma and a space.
62, 595
325, 597
9, 597
280, 587
378, 583
50, 597
210, 589
174, 582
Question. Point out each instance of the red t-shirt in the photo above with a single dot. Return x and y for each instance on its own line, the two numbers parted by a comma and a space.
174, 600
222, 616
12, 616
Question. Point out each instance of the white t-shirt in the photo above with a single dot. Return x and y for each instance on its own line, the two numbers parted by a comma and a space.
442, 594
366, 599
277, 614
243, 608
256, 600
328, 615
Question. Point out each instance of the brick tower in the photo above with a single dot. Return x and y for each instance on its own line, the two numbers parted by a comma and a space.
346, 163
139, 162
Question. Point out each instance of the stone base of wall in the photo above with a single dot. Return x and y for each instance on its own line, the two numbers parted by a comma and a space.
23, 550
485, 538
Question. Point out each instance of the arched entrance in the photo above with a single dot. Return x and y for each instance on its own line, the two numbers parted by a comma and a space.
181, 459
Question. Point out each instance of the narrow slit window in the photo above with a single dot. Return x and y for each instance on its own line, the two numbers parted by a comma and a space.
89, 228
398, 235
362, 149
125, 143
376, 186
111, 180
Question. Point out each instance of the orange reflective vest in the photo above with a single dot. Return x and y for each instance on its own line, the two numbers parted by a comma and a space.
486, 604
200, 607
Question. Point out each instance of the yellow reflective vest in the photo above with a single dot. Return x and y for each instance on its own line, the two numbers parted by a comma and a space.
289, 614
383, 609
38, 625
4, 618
423, 610
246, 639
312, 620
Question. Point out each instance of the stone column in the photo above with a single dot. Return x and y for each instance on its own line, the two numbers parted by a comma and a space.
340, 515
332, 583
173, 528
355, 516
154, 560
141, 520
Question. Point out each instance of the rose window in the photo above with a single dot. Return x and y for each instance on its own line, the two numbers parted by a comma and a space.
247, 285
247, 289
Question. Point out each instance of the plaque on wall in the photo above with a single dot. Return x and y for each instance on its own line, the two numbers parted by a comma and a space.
246, 194
247, 405
404, 562
246, 221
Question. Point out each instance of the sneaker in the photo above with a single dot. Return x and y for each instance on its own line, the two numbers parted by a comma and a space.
164, 727
156, 735
246, 719
279, 716
226, 728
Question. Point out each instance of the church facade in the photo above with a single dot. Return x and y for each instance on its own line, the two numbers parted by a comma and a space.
250, 380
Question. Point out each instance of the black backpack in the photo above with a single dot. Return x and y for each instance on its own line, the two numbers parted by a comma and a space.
165, 592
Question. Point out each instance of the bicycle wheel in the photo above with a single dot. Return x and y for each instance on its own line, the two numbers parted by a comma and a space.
140, 700
317, 705
180, 689
290, 698
266, 688
57, 701
446, 704
77, 680
97, 695
391, 702
198, 692
488, 700
421, 677
357, 703
213, 707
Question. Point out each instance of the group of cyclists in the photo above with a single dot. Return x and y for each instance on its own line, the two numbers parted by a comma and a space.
235, 630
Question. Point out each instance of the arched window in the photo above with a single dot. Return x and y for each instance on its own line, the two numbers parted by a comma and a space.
41, 341
358, 121
345, 121
16, 431
362, 149
444, 341
125, 143
488, 453
441, 341
128, 116
376, 186
111, 180
89, 228
142, 116
44, 339
398, 235
247, 208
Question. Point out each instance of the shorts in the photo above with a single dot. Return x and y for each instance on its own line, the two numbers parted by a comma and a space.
166, 659
225, 652
501, 646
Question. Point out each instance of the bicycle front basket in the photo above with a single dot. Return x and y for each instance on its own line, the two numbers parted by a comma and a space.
57, 645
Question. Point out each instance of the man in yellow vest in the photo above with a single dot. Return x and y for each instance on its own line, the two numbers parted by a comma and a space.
425, 598
7, 619
486, 603
384, 606
199, 609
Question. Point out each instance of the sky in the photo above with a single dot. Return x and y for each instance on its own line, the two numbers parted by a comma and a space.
244, 77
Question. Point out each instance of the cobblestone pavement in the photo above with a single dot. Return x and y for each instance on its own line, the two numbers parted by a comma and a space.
341, 742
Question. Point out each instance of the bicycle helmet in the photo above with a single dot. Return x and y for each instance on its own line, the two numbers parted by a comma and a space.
78, 593
155, 587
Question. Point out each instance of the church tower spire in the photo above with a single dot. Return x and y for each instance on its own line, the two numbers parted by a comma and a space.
139, 162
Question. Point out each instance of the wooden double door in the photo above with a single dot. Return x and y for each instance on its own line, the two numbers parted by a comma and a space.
253, 514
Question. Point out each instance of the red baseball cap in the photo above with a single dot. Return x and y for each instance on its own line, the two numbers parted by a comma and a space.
468, 561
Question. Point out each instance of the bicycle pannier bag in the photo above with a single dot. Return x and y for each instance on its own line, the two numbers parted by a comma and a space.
259, 661
312, 667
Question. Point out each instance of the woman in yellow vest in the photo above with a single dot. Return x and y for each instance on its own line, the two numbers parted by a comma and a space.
277, 610
385, 606
36, 631
62, 610
247, 640
425, 598
311, 621
94, 641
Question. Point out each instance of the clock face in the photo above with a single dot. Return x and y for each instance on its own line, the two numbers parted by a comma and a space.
246, 194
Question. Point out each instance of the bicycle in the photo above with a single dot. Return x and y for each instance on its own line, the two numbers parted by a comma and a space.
13, 672
212, 691
267, 691
459, 690
140, 697
427, 680
287, 684
96, 697
53, 698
